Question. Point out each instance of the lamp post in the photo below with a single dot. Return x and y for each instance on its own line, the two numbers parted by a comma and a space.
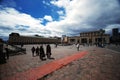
101, 34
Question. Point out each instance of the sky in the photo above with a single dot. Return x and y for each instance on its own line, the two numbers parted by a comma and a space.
57, 17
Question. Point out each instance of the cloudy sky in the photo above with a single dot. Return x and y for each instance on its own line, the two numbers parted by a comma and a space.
57, 17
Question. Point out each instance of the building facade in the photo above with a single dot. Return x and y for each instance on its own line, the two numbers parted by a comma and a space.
15, 38
92, 37
115, 35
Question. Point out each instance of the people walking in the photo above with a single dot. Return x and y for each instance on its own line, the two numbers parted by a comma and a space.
55, 45
42, 53
33, 50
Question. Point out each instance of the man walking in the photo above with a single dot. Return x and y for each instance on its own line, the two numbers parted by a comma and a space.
48, 51
33, 50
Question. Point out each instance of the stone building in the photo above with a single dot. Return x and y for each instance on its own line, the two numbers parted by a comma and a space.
91, 37
15, 38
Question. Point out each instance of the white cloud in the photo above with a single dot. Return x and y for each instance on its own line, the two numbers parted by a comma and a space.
61, 3
60, 12
48, 18
12, 20
9, 17
46, 3
80, 15
110, 27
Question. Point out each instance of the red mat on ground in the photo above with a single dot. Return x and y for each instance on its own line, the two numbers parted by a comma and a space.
39, 72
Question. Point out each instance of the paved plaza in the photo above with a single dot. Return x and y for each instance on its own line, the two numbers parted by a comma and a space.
98, 64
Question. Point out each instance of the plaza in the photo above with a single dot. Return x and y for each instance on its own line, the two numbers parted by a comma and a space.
60, 40
99, 62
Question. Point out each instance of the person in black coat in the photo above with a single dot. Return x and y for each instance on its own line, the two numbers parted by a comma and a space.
33, 50
42, 53
37, 51
48, 51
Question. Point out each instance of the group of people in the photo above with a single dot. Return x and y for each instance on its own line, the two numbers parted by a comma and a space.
39, 51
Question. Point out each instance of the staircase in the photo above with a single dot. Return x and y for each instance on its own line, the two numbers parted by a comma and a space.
15, 50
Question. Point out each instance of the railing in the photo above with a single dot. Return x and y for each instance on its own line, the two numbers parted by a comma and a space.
15, 50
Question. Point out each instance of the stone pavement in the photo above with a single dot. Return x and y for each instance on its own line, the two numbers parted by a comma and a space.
114, 47
24, 62
99, 63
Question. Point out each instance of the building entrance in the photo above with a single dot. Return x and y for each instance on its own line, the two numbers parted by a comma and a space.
84, 40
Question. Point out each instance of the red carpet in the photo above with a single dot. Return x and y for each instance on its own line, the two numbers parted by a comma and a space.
39, 72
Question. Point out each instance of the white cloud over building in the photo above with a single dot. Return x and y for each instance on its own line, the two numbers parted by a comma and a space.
76, 16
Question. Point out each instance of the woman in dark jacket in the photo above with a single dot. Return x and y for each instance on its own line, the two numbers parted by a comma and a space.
42, 53
48, 51
37, 51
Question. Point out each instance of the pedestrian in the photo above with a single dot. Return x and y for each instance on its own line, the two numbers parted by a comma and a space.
48, 51
7, 52
78, 45
55, 45
33, 50
37, 51
42, 53
22, 45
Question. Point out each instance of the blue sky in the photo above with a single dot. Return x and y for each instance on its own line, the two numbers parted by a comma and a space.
57, 17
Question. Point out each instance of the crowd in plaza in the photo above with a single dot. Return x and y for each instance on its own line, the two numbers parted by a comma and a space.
45, 52
39, 51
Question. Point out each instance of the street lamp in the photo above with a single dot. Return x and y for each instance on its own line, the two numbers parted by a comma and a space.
101, 34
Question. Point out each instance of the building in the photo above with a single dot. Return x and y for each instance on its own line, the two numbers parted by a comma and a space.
1, 41
15, 38
115, 32
115, 35
91, 37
